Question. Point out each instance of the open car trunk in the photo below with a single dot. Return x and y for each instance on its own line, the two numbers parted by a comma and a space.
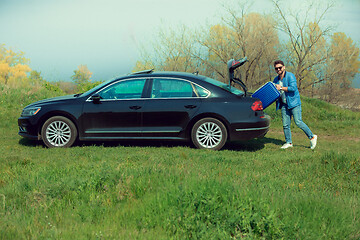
232, 65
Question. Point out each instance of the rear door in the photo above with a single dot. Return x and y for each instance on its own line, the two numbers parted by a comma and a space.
172, 104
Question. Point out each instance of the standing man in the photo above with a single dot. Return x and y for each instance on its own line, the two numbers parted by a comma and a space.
290, 104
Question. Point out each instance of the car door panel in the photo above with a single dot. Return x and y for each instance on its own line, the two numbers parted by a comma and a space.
118, 112
117, 118
172, 105
168, 117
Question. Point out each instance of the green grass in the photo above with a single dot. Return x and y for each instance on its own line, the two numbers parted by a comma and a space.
164, 190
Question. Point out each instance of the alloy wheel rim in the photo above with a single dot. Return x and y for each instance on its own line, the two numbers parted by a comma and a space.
58, 133
209, 135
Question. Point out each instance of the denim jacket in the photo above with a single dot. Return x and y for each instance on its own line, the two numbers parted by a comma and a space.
292, 95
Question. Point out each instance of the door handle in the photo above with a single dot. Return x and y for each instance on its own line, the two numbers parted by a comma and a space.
135, 107
190, 106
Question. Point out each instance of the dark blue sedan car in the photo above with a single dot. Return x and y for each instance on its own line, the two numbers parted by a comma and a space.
148, 105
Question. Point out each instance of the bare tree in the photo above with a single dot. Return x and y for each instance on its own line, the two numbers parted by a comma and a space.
171, 51
341, 68
240, 34
208, 50
306, 48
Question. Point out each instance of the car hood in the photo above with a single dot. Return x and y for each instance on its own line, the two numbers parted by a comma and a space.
52, 100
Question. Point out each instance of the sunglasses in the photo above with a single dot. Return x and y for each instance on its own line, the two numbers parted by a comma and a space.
278, 68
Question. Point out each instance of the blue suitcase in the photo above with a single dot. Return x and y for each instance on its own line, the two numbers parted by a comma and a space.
267, 94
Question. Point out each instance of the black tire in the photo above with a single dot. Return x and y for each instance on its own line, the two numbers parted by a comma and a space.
58, 132
209, 133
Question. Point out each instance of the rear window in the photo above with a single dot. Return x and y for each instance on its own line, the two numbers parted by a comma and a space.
233, 89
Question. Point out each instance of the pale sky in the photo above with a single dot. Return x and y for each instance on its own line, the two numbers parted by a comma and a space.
59, 35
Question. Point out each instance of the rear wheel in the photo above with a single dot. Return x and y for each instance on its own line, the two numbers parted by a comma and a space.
58, 131
209, 133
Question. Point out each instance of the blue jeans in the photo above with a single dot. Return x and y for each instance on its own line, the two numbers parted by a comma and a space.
286, 120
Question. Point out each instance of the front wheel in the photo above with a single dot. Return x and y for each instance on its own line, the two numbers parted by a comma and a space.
58, 131
209, 133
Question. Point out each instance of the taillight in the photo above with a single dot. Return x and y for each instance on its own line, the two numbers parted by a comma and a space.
257, 106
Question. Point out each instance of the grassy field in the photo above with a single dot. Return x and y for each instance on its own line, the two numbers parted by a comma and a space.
165, 190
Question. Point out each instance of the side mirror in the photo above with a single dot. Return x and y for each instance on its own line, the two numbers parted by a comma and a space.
96, 98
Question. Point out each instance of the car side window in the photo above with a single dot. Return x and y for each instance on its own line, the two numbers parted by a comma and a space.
127, 89
173, 88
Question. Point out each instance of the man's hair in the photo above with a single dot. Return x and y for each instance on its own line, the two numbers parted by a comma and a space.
279, 62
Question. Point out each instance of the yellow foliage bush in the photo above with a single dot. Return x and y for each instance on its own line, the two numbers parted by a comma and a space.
13, 68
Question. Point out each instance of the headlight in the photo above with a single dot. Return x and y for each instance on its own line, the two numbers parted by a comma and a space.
28, 112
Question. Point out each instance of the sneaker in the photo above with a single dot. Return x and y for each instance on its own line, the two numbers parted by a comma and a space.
286, 145
313, 142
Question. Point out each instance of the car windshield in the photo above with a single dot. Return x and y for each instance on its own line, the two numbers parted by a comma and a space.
225, 86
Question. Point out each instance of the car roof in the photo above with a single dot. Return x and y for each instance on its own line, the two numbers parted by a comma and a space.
196, 78
152, 73
199, 79
172, 74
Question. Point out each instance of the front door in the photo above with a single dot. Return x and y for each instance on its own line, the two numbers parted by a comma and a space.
118, 114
